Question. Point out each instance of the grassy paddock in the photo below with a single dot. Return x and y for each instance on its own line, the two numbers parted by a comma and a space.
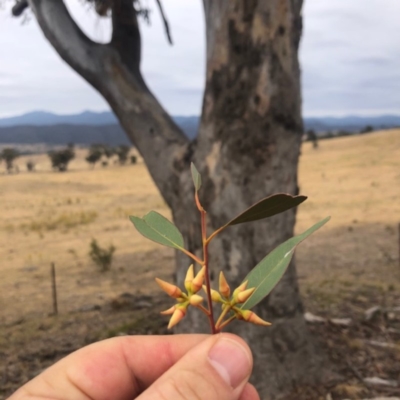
48, 216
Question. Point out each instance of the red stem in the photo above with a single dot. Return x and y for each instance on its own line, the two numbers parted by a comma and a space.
205, 257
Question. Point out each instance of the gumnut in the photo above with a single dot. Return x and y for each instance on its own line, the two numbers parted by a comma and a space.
224, 288
192, 285
170, 289
170, 311
189, 278
177, 316
240, 289
195, 299
252, 317
198, 280
241, 297
215, 296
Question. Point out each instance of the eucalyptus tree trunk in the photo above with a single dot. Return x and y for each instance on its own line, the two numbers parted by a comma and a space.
247, 148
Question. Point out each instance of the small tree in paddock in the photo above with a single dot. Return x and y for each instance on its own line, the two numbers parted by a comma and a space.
9, 155
61, 158
94, 154
367, 129
312, 137
30, 166
108, 151
122, 152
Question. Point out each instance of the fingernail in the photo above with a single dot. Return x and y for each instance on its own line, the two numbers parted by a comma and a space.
231, 361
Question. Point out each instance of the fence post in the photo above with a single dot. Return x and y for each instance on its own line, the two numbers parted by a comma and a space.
54, 288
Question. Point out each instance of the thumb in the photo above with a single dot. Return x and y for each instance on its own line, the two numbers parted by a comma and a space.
216, 369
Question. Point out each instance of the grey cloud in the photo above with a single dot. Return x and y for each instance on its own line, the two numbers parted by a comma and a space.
377, 61
350, 57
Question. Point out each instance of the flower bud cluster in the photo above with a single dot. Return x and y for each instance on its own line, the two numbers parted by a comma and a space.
192, 285
229, 303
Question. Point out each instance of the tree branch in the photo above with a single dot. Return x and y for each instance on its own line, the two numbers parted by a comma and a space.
114, 70
126, 35
74, 47
164, 18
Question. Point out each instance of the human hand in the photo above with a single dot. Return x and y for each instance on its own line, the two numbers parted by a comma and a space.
178, 367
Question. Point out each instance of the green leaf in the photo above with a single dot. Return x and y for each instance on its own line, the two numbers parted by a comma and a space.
268, 272
157, 228
195, 176
268, 207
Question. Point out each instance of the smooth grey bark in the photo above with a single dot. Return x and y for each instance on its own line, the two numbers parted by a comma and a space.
247, 148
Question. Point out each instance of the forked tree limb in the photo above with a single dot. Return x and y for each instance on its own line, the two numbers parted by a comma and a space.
74, 47
113, 69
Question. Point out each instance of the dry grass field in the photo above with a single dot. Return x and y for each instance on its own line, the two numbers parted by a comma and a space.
356, 180
52, 217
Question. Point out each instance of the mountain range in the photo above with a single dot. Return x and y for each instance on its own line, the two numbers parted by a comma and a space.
103, 127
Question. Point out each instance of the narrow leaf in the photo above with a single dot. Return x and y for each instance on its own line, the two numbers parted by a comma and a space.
268, 207
157, 228
268, 272
195, 176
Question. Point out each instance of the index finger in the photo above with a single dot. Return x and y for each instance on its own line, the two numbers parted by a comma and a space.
118, 368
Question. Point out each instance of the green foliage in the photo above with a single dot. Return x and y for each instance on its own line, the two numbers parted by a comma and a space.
311, 135
195, 176
257, 284
108, 151
100, 256
265, 275
95, 153
133, 159
30, 166
157, 228
9, 154
367, 129
61, 158
122, 152
268, 207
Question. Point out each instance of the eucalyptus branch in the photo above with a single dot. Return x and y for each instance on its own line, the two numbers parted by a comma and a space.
255, 286
207, 270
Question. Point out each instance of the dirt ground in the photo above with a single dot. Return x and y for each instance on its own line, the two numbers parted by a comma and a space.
346, 268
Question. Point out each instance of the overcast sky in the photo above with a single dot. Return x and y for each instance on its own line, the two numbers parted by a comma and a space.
350, 57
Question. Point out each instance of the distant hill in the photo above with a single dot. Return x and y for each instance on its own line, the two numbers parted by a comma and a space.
82, 129
351, 123
102, 127
55, 135
44, 118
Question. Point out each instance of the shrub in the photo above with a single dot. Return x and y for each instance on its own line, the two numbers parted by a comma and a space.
100, 256
30, 166
133, 159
